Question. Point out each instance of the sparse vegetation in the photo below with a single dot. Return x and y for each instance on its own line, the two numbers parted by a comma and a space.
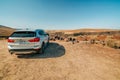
94, 36
113, 43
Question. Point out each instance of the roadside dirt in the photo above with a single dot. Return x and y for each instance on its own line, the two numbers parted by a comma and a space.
62, 61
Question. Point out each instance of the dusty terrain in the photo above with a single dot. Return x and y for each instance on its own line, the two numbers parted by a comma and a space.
62, 61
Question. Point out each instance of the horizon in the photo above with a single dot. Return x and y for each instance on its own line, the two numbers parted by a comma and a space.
60, 14
61, 29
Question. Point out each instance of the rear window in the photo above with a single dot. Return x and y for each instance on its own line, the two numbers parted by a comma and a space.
23, 34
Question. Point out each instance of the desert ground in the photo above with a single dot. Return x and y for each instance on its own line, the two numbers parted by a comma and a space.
62, 61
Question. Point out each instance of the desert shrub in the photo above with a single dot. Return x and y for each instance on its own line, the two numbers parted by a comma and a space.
78, 34
2, 38
113, 43
116, 37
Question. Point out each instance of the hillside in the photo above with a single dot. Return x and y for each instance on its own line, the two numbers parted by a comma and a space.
83, 30
79, 32
5, 31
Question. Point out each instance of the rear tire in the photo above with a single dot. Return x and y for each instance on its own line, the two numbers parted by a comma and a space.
41, 51
48, 43
10, 52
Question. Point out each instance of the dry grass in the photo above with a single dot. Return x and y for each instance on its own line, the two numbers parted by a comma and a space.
113, 43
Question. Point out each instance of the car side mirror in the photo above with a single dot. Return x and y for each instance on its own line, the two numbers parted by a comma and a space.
47, 34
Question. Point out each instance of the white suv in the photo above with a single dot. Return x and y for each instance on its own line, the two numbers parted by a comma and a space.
28, 41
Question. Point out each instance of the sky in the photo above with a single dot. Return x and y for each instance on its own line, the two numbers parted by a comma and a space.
60, 14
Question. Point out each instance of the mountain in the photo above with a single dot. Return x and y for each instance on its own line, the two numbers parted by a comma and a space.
5, 31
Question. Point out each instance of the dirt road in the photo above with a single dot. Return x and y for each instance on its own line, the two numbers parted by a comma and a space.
62, 61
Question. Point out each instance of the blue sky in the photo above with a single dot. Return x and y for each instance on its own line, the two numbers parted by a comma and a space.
60, 14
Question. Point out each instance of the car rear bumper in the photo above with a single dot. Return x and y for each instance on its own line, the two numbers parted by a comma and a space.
23, 50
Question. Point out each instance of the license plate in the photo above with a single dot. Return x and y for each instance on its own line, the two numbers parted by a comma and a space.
21, 41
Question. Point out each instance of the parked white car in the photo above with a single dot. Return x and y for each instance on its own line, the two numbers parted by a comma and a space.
28, 41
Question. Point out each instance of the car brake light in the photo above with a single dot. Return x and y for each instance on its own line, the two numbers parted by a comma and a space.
10, 40
34, 40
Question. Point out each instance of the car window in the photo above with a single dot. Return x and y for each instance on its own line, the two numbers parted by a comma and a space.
41, 32
23, 34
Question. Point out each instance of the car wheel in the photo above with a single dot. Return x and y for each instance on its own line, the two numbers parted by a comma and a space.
41, 51
10, 52
48, 43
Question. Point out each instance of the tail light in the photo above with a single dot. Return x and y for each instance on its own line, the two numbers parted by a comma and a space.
10, 40
34, 40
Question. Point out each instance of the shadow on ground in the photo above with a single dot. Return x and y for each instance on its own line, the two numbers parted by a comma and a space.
53, 50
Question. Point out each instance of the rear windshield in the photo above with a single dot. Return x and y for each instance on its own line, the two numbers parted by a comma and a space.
23, 34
